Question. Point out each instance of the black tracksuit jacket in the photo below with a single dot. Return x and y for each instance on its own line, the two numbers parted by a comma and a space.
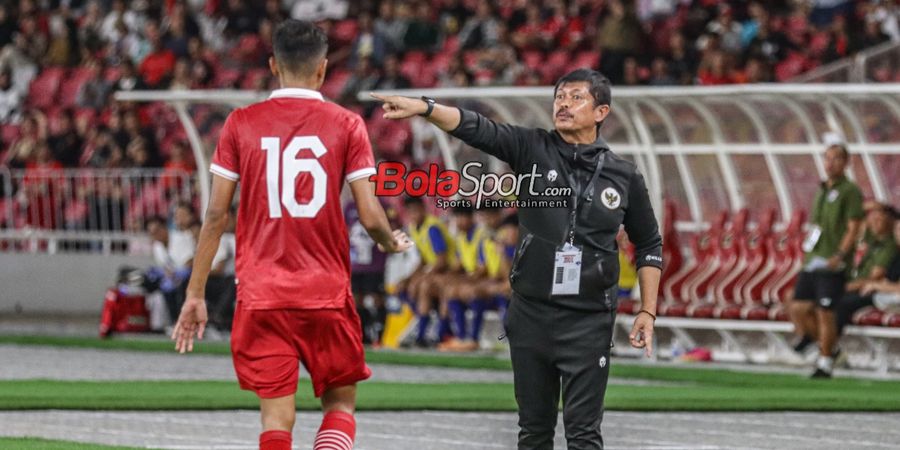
617, 197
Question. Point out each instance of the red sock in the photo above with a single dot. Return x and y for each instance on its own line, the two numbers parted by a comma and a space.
275, 440
337, 432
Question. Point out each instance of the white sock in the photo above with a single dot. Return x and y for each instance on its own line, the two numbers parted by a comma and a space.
825, 363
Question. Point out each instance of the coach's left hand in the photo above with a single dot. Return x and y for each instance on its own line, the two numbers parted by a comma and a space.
191, 320
641, 335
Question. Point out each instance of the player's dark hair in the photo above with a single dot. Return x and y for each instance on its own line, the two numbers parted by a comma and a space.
299, 45
599, 84
462, 210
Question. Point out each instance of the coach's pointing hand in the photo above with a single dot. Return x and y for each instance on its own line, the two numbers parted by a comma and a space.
191, 320
399, 107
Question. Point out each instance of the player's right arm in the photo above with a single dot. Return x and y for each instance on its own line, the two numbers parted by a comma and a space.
374, 220
192, 319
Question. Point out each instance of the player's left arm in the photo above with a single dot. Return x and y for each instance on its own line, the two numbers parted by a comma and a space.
643, 231
192, 320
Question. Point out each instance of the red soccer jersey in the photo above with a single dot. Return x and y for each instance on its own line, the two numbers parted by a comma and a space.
292, 154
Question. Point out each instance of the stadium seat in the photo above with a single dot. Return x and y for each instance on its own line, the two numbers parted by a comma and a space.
43, 89
589, 59
334, 83
71, 85
891, 320
705, 246
9, 133
343, 32
672, 258
869, 316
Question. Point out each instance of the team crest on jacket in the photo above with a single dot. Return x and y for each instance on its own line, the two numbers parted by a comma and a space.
551, 175
610, 198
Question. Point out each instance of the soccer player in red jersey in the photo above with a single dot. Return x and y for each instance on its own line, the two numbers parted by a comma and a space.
292, 154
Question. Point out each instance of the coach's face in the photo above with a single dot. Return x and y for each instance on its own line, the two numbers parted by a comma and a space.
835, 162
574, 108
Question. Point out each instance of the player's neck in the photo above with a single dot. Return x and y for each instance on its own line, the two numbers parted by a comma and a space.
584, 136
292, 83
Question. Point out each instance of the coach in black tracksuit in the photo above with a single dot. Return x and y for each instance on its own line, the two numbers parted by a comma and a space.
561, 319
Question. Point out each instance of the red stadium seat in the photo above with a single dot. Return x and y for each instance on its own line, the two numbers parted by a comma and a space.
869, 316
589, 59
334, 83
343, 32
891, 320
68, 90
43, 90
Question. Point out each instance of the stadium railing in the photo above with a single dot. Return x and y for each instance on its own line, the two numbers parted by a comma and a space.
85, 210
859, 68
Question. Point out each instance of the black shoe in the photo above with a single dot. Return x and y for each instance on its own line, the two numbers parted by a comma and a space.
803, 344
819, 373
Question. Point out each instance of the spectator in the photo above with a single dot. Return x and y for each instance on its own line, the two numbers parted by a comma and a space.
452, 15
177, 37
835, 223
157, 66
364, 78
480, 30
367, 267
392, 78
61, 50
10, 98
128, 79
66, 144
757, 15
32, 133
660, 74
755, 71
728, 30
369, 44
95, 92
572, 34
630, 76
119, 22
528, 35
41, 189
618, 38
682, 60
7, 25
422, 32
392, 22
181, 75
715, 69
241, 18
220, 286
879, 254
316, 10
768, 45
171, 263
871, 36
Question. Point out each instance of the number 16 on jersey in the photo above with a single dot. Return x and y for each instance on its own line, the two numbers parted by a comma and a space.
290, 168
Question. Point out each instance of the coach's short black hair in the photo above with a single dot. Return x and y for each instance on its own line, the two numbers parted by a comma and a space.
299, 45
599, 84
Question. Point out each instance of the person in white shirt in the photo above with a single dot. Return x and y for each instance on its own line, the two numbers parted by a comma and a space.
221, 292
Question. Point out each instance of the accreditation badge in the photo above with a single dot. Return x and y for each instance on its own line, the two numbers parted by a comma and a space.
812, 237
567, 271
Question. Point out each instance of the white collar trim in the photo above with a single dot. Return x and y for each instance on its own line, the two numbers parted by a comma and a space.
296, 93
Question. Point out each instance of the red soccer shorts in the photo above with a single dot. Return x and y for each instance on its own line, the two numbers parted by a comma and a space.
268, 345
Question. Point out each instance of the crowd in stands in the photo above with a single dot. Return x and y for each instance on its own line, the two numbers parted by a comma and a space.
61, 60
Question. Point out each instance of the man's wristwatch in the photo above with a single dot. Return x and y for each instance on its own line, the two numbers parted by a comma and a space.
430, 103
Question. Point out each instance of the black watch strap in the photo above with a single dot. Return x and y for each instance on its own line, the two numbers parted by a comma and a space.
430, 103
